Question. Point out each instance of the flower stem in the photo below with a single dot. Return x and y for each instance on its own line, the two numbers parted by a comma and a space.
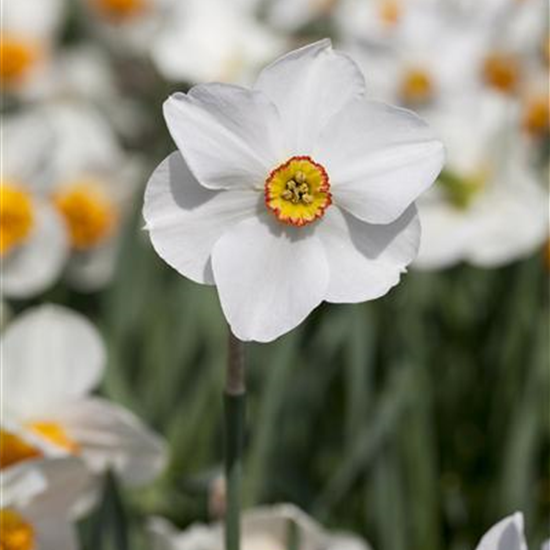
235, 393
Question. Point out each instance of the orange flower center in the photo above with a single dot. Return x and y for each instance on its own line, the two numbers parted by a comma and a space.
536, 116
16, 216
13, 449
502, 72
17, 58
88, 212
390, 12
119, 11
416, 87
15, 532
56, 434
298, 191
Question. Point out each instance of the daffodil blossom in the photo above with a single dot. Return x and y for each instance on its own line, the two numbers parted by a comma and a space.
488, 208
37, 500
297, 191
264, 528
33, 239
52, 358
507, 534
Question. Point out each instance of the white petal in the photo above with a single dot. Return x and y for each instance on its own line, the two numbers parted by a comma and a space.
229, 136
507, 534
379, 159
50, 355
29, 18
56, 534
185, 220
112, 437
269, 277
37, 263
165, 536
309, 86
366, 260
546, 545
347, 542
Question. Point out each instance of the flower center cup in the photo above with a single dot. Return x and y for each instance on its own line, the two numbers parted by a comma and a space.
536, 116
13, 450
56, 434
389, 12
16, 217
416, 87
120, 11
17, 58
89, 214
298, 191
15, 532
502, 72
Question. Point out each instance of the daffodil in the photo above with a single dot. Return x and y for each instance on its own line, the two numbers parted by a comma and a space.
33, 239
488, 208
28, 36
297, 191
52, 358
264, 528
37, 500
507, 534
206, 40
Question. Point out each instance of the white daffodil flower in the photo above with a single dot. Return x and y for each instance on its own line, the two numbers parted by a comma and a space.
37, 499
507, 534
52, 358
91, 183
264, 528
297, 191
29, 31
33, 238
487, 182
207, 40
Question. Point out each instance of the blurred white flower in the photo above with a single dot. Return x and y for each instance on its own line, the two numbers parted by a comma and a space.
487, 208
297, 191
37, 499
264, 528
52, 358
219, 40
33, 239
293, 15
28, 35
507, 534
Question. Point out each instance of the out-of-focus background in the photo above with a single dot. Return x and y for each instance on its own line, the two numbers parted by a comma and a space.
416, 421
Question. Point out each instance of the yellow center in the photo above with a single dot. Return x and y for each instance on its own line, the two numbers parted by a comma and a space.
17, 58
416, 86
502, 72
536, 116
390, 12
119, 11
298, 191
460, 191
13, 449
89, 214
16, 216
54, 433
15, 532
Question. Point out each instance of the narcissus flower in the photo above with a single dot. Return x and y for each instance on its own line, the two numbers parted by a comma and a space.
507, 534
52, 358
296, 191
37, 499
265, 528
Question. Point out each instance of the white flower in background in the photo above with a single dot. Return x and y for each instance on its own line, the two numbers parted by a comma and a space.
407, 68
507, 534
487, 208
264, 528
52, 358
91, 182
37, 499
293, 15
297, 191
28, 34
33, 238
207, 40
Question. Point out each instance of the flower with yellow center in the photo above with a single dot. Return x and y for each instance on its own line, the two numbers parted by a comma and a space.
119, 11
390, 12
297, 191
502, 72
536, 116
16, 216
18, 57
88, 212
52, 359
38, 498
416, 86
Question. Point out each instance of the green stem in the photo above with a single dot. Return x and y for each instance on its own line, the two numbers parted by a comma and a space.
235, 393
